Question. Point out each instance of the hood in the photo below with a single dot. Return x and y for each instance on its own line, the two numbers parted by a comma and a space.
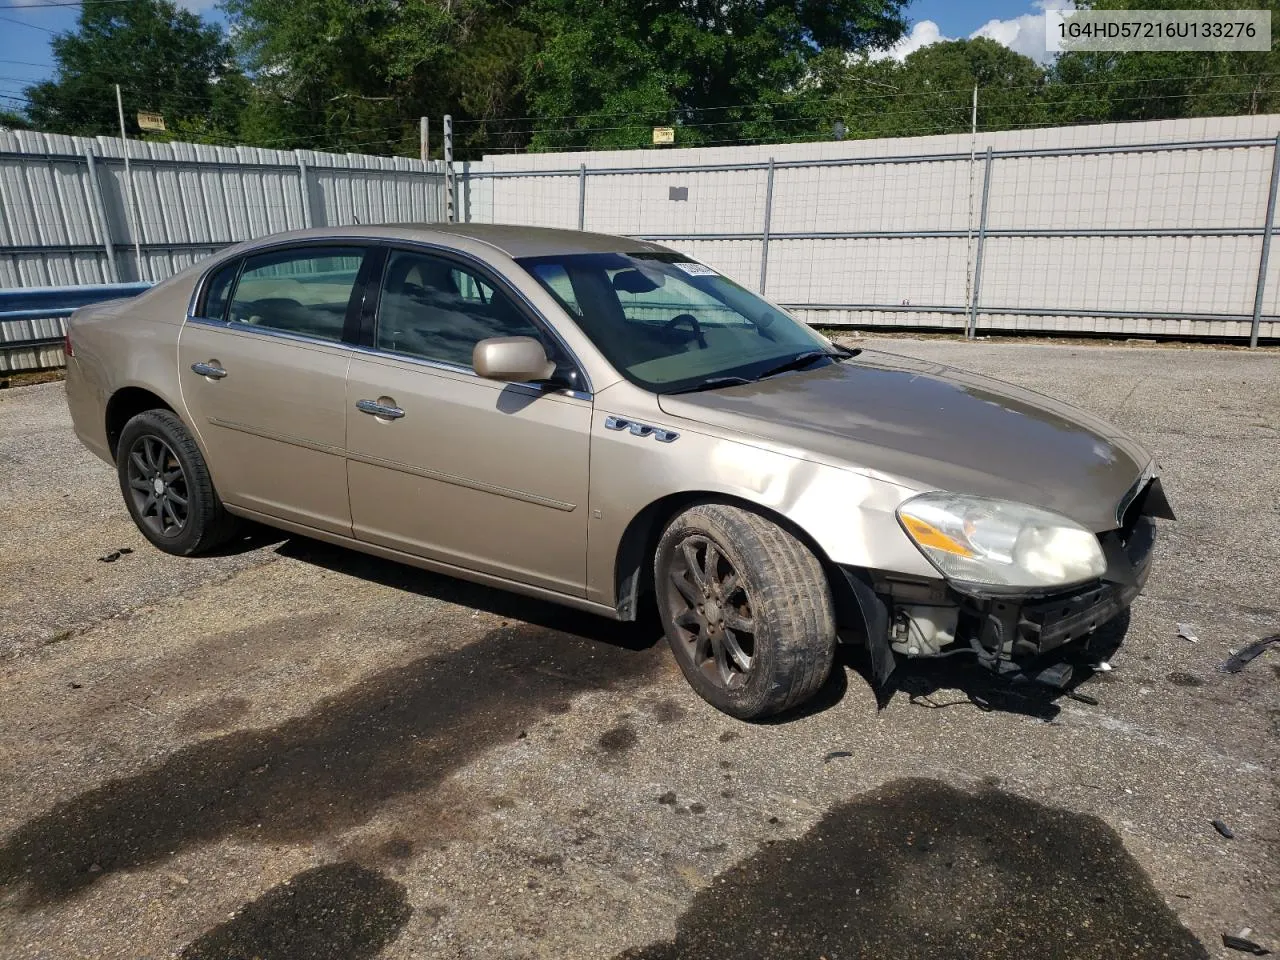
937, 428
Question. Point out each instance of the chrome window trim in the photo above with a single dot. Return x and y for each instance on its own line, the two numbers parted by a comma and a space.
444, 366
534, 389
391, 244
250, 328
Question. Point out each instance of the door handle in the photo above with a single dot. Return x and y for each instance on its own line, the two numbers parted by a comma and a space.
210, 370
383, 410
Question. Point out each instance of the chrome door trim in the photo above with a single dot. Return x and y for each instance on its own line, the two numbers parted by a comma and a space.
208, 370
280, 437
463, 482
383, 410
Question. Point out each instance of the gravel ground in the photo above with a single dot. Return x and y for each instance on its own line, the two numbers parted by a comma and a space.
295, 751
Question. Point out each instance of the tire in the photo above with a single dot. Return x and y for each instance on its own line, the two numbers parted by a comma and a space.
159, 467
768, 598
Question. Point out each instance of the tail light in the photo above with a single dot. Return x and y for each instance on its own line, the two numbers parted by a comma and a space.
66, 346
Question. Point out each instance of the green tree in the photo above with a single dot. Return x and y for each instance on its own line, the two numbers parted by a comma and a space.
931, 92
606, 71
165, 60
9, 120
1108, 87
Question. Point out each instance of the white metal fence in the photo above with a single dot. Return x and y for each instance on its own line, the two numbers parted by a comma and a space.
71, 214
1135, 229
1128, 229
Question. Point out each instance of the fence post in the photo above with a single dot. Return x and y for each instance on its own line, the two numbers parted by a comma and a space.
135, 214
101, 223
764, 233
305, 188
448, 168
1266, 245
972, 329
424, 139
582, 195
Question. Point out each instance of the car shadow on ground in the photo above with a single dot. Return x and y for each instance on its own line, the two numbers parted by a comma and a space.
943, 683
639, 635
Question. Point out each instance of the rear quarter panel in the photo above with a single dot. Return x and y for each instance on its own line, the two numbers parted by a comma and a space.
125, 343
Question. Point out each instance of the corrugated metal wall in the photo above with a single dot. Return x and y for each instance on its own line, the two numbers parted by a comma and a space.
1084, 233
66, 214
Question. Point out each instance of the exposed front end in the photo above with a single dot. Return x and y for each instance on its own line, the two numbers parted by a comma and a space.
1028, 630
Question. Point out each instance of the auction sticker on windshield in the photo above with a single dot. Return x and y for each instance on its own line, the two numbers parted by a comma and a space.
695, 269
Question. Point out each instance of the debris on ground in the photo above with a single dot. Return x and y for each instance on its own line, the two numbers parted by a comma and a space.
1082, 698
1102, 666
1240, 659
1223, 829
835, 755
115, 555
1244, 944
1188, 632
668, 799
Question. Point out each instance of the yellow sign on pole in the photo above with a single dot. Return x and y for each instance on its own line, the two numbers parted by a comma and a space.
664, 134
151, 121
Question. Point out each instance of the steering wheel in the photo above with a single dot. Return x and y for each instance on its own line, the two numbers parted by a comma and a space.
695, 326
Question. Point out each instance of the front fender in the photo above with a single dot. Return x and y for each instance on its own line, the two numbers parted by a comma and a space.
849, 516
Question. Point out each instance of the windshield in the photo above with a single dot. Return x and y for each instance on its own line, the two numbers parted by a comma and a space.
669, 324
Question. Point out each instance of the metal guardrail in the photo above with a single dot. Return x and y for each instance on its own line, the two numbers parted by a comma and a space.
32, 320
34, 303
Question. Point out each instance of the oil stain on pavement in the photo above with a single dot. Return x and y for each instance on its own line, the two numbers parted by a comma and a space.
920, 869
336, 912
400, 731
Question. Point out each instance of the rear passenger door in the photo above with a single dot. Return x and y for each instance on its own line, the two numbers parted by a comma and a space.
263, 366
475, 473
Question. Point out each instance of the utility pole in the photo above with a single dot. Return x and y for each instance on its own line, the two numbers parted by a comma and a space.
144, 272
424, 138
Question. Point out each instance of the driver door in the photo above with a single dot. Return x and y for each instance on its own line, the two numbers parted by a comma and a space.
475, 473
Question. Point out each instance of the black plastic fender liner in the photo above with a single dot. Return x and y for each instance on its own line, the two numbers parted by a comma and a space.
875, 620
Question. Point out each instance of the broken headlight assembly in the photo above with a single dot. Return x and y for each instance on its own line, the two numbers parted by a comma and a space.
999, 542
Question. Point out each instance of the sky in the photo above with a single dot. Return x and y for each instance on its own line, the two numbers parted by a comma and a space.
26, 26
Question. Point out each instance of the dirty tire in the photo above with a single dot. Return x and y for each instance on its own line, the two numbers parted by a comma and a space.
781, 591
206, 523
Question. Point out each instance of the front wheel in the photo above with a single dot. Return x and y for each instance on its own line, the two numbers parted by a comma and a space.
746, 608
167, 487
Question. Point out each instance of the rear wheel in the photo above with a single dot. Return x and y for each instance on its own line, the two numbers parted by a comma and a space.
167, 488
746, 608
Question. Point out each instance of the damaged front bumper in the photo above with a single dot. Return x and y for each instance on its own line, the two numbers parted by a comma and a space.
1017, 632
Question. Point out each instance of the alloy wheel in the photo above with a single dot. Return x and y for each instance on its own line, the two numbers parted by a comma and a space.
158, 486
708, 602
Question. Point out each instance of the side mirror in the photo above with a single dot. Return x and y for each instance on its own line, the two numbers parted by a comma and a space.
516, 359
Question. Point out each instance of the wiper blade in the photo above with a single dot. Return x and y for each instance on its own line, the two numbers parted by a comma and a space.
798, 361
712, 383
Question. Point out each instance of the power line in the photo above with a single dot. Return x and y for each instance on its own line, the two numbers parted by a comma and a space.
54, 4
31, 25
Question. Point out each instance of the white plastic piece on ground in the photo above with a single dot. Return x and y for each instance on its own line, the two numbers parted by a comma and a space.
1187, 632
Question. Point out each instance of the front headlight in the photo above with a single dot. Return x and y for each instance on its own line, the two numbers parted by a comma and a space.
1000, 542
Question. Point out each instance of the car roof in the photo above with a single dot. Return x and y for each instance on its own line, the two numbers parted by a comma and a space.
512, 239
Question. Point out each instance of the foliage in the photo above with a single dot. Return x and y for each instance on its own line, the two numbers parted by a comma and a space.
588, 74
166, 61
1104, 87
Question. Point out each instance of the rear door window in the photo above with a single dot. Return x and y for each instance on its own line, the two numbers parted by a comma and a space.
301, 291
